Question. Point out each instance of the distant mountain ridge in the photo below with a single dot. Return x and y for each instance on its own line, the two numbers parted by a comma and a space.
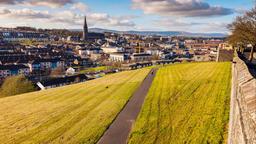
160, 33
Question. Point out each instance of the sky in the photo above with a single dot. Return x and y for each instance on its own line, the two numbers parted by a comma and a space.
206, 16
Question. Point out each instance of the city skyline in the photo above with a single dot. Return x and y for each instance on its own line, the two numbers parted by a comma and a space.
155, 15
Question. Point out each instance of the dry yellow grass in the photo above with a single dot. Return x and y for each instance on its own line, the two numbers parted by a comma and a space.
77, 113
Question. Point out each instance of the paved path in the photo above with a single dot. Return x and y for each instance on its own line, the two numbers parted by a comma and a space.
232, 103
119, 130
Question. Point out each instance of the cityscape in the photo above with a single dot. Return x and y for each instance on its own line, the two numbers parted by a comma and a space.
137, 71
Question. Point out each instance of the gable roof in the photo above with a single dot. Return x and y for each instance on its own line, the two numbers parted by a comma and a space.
12, 67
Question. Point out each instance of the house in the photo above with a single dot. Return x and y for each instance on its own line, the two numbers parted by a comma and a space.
10, 70
45, 64
88, 51
155, 52
165, 55
94, 36
225, 46
141, 57
118, 57
83, 52
73, 38
20, 35
95, 57
83, 62
70, 71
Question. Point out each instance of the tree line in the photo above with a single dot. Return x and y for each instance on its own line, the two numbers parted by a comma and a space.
243, 32
58, 32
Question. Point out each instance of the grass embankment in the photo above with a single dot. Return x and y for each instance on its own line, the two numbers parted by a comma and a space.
95, 69
187, 103
77, 113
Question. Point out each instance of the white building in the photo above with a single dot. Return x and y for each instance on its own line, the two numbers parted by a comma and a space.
118, 57
70, 71
155, 52
107, 48
141, 57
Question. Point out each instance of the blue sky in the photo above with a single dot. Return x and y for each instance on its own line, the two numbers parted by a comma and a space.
174, 15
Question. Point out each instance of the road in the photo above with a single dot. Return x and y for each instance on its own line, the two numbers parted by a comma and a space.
119, 130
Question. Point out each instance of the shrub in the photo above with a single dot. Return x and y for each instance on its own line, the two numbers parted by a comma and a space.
14, 85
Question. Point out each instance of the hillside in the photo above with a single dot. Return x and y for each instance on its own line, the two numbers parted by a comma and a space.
161, 33
187, 103
77, 113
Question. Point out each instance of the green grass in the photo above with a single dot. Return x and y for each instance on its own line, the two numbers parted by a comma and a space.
187, 103
77, 113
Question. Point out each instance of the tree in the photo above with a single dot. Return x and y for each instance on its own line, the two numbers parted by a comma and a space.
251, 25
14, 85
57, 71
244, 31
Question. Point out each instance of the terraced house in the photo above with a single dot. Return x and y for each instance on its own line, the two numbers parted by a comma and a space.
10, 70
19, 36
45, 64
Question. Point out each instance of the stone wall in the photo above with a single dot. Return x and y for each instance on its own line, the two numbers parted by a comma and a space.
242, 127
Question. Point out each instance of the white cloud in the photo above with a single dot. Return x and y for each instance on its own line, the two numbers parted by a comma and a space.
67, 18
186, 8
189, 25
80, 6
23, 13
47, 3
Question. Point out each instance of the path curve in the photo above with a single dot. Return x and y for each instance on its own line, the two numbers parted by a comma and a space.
119, 130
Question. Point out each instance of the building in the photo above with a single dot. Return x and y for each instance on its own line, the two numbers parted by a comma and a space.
85, 30
137, 57
155, 52
225, 46
11, 70
20, 35
82, 62
95, 57
84, 52
45, 64
73, 38
118, 57
94, 36
70, 71
111, 48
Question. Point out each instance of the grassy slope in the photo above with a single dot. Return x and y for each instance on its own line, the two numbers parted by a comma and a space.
101, 68
78, 113
187, 103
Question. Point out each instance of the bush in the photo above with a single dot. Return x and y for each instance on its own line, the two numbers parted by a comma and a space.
14, 85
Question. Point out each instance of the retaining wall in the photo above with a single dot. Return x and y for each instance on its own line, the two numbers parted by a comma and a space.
242, 127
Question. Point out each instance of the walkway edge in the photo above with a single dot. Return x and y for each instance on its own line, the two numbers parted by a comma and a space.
119, 130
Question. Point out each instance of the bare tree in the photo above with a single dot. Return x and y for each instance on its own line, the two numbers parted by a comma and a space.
57, 71
244, 31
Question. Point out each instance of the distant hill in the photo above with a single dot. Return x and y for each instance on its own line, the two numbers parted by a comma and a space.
160, 33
